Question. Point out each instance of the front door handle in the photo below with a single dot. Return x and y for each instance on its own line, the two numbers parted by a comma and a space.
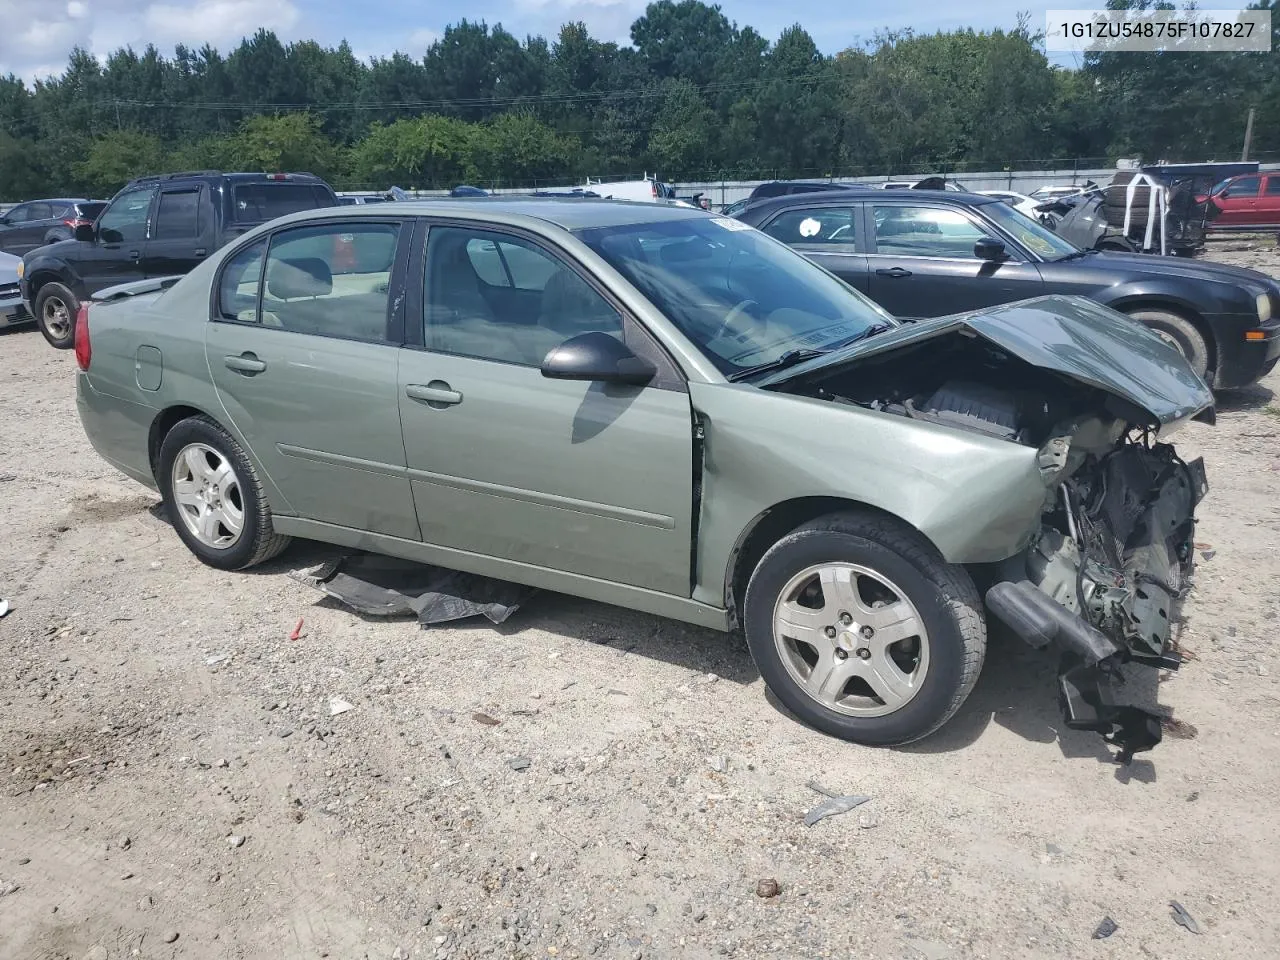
246, 363
893, 272
133, 254
437, 392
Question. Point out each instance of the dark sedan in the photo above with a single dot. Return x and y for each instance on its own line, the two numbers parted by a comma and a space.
39, 222
928, 256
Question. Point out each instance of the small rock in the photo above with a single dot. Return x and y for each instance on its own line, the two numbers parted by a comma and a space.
156, 564
868, 821
700, 916
24, 861
720, 764
338, 706
216, 659
284, 733
768, 887
235, 841
1053, 849
400, 953
1105, 929
8, 887
519, 763
222, 764
171, 936
485, 719
126, 876
125, 843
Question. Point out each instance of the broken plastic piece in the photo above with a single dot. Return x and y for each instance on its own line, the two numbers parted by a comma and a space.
4, 607
1086, 705
519, 763
379, 586
1182, 918
297, 631
1105, 929
337, 705
834, 806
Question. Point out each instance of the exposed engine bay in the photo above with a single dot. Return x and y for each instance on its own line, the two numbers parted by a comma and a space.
1113, 557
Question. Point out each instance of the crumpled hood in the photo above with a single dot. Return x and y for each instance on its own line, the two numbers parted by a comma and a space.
1072, 336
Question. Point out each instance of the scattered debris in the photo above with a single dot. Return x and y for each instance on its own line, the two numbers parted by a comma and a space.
337, 705
525, 713
1105, 929
868, 821
768, 887
126, 875
834, 806
7, 477
1193, 796
235, 841
720, 764
24, 861
125, 843
485, 719
4, 608
216, 659
171, 936
297, 631
156, 564
222, 764
8, 887
519, 763
1208, 554
1182, 918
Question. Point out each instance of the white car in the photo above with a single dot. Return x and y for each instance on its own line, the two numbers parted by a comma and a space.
1053, 193
1019, 201
12, 309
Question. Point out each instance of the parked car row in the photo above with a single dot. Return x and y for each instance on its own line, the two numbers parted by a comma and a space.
33, 224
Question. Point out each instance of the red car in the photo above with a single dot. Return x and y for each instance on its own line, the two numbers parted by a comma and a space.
1249, 201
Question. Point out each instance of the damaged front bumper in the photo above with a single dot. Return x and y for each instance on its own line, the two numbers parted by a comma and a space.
1108, 591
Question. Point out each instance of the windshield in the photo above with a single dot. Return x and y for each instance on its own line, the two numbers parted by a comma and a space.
1031, 233
743, 298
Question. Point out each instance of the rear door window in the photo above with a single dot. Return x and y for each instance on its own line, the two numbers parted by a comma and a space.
40, 211
829, 226
1273, 185
178, 216
266, 200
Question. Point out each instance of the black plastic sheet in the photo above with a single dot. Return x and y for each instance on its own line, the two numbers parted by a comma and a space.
379, 586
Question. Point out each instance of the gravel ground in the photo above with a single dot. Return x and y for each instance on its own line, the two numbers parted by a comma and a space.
173, 784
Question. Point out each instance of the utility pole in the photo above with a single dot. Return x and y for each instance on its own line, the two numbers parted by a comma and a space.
1248, 135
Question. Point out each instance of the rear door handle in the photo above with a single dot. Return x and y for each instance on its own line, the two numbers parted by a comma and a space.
133, 254
435, 392
893, 272
246, 363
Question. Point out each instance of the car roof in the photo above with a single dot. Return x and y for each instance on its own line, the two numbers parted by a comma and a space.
53, 200
760, 207
569, 213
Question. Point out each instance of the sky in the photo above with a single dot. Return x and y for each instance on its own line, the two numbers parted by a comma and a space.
39, 34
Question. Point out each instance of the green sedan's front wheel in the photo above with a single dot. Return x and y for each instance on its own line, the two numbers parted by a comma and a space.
863, 631
214, 497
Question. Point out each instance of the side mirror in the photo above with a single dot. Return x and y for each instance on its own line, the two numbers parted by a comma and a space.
988, 249
84, 231
598, 357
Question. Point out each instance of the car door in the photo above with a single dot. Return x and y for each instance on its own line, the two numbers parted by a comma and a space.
302, 348
178, 240
922, 262
115, 254
828, 235
1239, 202
1269, 201
577, 477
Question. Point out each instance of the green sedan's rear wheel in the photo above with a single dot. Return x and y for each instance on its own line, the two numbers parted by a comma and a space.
214, 497
863, 631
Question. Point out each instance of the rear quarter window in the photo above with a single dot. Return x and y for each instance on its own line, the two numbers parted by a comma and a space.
266, 200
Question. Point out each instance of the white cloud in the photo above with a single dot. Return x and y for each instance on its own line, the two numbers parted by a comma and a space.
47, 31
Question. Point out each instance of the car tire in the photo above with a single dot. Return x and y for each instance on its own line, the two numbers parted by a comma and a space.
55, 308
901, 661
56, 236
1180, 333
214, 497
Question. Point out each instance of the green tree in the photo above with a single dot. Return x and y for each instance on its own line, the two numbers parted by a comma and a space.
113, 159
291, 141
427, 151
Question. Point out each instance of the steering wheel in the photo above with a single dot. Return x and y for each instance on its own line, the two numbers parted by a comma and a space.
737, 311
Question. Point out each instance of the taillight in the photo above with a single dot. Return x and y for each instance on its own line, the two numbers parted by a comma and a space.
84, 352
277, 176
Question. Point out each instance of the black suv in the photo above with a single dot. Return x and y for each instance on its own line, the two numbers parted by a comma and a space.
157, 226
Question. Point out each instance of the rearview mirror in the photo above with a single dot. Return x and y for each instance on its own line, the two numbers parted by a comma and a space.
84, 231
988, 249
598, 357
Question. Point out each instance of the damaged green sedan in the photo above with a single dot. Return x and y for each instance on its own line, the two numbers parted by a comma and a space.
650, 406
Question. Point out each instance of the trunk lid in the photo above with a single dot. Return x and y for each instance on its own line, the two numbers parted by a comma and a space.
1071, 336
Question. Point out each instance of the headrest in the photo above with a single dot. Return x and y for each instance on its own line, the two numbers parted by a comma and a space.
304, 277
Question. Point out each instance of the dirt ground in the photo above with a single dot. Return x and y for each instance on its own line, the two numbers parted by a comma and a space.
172, 783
